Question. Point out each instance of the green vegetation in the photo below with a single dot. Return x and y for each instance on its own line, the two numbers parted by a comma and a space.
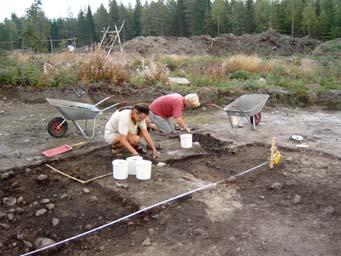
232, 73
30, 73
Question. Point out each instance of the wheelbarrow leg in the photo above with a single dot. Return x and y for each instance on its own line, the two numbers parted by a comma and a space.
230, 120
253, 123
82, 130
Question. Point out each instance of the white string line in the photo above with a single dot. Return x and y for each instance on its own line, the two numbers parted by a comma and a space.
140, 211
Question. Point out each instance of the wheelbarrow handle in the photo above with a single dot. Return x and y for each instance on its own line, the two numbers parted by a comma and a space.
112, 106
105, 99
216, 106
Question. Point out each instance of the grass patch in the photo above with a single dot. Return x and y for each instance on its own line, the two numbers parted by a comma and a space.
235, 72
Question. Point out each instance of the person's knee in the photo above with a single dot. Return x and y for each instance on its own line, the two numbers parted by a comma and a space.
133, 139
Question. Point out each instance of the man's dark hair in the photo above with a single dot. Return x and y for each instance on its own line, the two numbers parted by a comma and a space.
142, 108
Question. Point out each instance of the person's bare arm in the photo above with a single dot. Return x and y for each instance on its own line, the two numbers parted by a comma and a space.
145, 134
180, 121
123, 140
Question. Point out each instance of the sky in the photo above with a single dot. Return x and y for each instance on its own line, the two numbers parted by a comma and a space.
53, 8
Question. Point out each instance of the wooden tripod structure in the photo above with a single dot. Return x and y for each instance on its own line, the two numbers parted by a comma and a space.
110, 38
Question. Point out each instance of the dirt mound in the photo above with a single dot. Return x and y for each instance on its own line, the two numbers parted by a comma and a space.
266, 43
148, 46
332, 47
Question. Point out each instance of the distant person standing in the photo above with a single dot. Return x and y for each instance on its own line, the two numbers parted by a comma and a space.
70, 48
167, 109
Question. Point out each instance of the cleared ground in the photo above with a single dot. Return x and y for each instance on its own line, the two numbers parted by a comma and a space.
293, 210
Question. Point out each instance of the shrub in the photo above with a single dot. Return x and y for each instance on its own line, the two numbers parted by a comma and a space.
98, 68
154, 74
215, 71
240, 75
30, 74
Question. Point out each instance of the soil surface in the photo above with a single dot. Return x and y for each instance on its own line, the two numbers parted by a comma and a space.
291, 210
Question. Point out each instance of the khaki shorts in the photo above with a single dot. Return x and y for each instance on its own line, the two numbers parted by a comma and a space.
110, 138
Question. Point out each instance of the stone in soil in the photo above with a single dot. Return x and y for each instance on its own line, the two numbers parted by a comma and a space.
86, 190
40, 212
55, 222
9, 201
276, 185
19, 210
7, 175
200, 232
63, 196
88, 227
146, 242
291, 182
28, 244
93, 199
20, 199
42, 242
50, 206
297, 199
45, 201
10, 217
329, 210
4, 226
151, 231
20, 237
2, 214
121, 185
42, 177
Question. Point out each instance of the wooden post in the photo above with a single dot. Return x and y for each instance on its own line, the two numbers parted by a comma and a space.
51, 44
272, 152
11, 42
218, 26
118, 37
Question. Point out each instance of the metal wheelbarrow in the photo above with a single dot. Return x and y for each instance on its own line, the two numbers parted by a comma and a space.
75, 111
248, 106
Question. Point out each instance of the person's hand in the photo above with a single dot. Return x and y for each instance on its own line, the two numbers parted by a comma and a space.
187, 130
155, 154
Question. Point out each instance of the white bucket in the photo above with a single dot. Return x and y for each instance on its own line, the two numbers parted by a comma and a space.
120, 169
235, 120
143, 169
132, 164
186, 140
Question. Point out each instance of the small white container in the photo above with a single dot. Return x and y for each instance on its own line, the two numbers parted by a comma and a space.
235, 120
120, 169
143, 169
132, 164
186, 140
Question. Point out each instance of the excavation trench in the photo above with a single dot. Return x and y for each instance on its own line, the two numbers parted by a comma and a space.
231, 218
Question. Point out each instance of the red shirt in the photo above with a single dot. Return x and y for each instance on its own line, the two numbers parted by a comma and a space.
170, 105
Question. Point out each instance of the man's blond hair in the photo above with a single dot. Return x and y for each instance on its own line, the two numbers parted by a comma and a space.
193, 98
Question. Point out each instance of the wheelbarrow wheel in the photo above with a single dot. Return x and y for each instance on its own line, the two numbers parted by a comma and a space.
55, 129
257, 117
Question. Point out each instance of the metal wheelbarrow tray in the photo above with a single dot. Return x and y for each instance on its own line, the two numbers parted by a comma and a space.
75, 111
248, 106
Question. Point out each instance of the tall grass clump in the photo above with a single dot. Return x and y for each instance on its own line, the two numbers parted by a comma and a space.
8, 69
153, 74
98, 68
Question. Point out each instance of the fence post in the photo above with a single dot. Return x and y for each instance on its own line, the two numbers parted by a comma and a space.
51, 44
11, 42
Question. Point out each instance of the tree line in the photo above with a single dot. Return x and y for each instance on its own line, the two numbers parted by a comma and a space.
319, 19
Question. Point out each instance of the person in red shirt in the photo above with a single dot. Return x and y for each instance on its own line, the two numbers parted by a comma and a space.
168, 107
